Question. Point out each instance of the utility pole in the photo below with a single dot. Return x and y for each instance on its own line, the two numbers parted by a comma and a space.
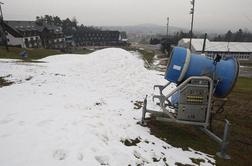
204, 43
167, 27
191, 32
4, 38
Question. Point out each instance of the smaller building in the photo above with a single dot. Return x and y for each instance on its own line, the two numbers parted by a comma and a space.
52, 37
123, 37
240, 50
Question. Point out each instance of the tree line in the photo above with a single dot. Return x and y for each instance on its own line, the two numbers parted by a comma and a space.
238, 36
69, 26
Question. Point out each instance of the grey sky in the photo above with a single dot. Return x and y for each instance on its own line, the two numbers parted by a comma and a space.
209, 14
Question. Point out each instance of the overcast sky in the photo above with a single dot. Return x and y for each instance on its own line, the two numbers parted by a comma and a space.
209, 14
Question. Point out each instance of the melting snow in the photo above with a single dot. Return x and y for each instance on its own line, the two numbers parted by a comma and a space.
78, 110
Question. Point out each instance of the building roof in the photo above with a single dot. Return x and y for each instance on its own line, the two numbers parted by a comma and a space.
24, 25
32, 26
213, 46
12, 31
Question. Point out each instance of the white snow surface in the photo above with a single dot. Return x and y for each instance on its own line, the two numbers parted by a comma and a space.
77, 110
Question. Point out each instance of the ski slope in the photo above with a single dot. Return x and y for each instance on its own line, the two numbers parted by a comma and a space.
76, 110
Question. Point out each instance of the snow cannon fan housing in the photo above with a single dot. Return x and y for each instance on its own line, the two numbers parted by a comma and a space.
183, 65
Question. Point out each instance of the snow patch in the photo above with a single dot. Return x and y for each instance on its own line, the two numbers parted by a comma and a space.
77, 109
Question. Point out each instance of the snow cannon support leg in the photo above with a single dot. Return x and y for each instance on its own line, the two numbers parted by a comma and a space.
224, 144
161, 96
144, 110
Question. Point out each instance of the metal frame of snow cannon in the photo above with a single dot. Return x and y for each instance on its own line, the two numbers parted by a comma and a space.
168, 116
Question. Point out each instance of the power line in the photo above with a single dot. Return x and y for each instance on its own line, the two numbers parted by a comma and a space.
249, 19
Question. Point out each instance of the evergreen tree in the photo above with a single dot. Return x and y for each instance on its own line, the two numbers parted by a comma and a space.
228, 36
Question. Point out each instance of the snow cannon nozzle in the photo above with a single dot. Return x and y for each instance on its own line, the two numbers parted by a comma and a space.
184, 64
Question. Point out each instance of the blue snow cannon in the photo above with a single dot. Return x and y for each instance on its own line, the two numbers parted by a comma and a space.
184, 64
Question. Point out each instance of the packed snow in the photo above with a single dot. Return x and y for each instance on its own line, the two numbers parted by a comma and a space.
79, 110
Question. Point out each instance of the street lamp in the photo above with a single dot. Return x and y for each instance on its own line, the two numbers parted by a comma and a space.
191, 32
1, 16
3, 27
167, 27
